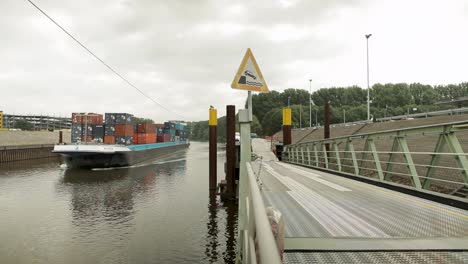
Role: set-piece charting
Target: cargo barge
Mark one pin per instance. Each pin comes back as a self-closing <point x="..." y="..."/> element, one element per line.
<point x="107" y="156"/>
<point x="119" y="140"/>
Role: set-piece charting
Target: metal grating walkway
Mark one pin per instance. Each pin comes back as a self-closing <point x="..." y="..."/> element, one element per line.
<point x="348" y="221"/>
<point x="422" y="257"/>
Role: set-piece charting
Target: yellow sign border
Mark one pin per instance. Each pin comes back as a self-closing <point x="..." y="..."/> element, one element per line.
<point x="236" y="85"/>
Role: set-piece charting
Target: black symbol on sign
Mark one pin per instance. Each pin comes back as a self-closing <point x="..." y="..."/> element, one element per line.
<point x="248" y="73"/>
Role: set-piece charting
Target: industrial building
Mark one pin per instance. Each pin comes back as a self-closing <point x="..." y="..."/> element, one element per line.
<point x="39" y="122"/>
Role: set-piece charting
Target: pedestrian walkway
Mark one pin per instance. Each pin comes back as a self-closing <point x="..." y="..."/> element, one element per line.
<point x="331" y="218"/>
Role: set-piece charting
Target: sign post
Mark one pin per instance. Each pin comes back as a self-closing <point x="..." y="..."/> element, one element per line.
<point x="250" y="78"/>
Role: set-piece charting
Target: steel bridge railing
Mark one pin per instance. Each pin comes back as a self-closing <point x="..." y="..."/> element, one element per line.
<point x="258" y="227"/>
<point x="417" y="156"/>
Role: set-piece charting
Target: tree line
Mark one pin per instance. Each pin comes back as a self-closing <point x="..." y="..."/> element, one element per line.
<point x="346" y="103"/>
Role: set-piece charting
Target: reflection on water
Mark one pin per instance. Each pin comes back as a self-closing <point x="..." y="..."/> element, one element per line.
<point x="228" y="215"/>
<point x="158" y="212"/>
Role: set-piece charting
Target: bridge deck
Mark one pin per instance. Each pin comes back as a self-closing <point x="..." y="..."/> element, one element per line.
<point x="332" y="213"/>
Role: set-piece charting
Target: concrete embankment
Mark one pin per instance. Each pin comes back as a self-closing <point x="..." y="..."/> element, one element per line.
<point x="26" y="145"/>
<point x="20" y="138"/>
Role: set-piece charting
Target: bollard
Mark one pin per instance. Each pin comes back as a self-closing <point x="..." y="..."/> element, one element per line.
<point x="326" y="130"/>
<point x="287" y="121"/>
<point x="213" y="125"/>
<point x="231" y="150"/>
<point x="60" y="137"/>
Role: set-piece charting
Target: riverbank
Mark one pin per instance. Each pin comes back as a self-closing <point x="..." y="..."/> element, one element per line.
<point x="21" y="138"/>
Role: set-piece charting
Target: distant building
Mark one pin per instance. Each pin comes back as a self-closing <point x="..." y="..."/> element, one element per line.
<point x="39" y="122"/>
<point x="1" y="119"/>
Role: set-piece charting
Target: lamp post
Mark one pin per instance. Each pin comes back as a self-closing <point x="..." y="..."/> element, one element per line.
<point x="310" y="102"/>
<point x="368" y="87"/>
<point x="289" y="98"/>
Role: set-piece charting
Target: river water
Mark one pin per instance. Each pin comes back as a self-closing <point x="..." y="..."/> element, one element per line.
<point x="154" y="213"/>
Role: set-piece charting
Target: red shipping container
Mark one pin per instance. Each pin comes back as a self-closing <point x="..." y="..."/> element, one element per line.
<point x="90" y="118"/>
<point x="164" y="138"/>
<point x="146" y="128"/>
<point x="93" y="119"/>
<point x="160" y="138"/>
<point x="146" y="138"/>
<point x="86" y="139"/>
<point x="109" y="140"/>
<point x="123" y="130"/>
<point x="135" y="139"/>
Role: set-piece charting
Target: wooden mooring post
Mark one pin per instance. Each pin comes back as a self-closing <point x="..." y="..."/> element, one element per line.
<point x="230" y="151"/>
<point x="213" y="125"/>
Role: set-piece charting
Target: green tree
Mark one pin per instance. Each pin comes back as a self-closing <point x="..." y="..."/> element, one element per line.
<point x="23" y="125"/>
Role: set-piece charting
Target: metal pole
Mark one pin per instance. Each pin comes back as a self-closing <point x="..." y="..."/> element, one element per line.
<point x="249" y="105"/>
<point x="344" y="116"/>
<point x="310" y="102"/>
<point x="289" y="105"/>
<point x="287" y="122"/>
<point x="300" y="116"/>
<point x="245" y="156"/>
<point x="316" y="120"/>
<point x="230" y="150"/>
<point x="213" y="124"/>
<point x="368" y="87"/>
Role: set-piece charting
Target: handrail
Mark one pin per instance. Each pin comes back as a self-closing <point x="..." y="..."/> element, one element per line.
<point x="267" y="249"/>
<point x="374" y="159"/>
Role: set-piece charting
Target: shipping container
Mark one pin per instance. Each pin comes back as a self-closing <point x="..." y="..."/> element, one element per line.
<point x="86" y="138"/>
<point x="146" y="138"/>
<point x="159" y="125"/>
<point x="110" y="118"/>
<point x="146" y="128"/>
<point x="164" y="138"/>
<point x="124" y="140"/>
<point x="109" y="140"/>
<point x="169" y="131"/>
<point x="109" y="130"/>
<point x="98" y="131"/>
<point x="119" y="118"/>
<point x="87" y="118"/>
<point x="180" y="126"/>
<point x="77" y="129"/>
<point x="169" y="125"/>
<point x="123" y="130"/>
<point x="135" y="139"/>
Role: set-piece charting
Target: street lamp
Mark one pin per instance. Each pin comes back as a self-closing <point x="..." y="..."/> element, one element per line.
<point x="368" y="87"/>
<point x="289" y="98"/>
<point x="310" y="102"/>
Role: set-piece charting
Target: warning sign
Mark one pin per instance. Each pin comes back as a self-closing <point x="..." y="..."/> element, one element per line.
<point x="249" y="77"/>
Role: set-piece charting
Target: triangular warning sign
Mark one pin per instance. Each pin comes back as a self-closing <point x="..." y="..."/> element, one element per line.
<point x="249" y="77"/>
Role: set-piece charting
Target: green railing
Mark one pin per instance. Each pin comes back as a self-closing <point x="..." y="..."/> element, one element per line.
<point x="426" y="157"/>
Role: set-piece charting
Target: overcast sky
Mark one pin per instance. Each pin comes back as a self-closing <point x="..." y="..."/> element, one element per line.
<point x="185" y="54"/>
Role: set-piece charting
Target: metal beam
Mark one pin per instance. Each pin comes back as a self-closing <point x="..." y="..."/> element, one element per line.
<point x="460" y="157"/>
<point x="350" y="149"/>
<point x="375" y="155"/>
<point x="409" y="162"/>
<point x="434" y="161"/>
<point x="325" y="156"/>
<point x="337" y="155"/>
<point x="390" y="159"/>
<point x="374" y="244"/>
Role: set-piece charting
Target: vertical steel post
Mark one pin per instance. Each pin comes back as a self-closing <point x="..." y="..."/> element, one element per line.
<point x="287" y="122"/>
<point x="60" y="137"/>
<point x="230" y="149"/>
<point x="327" y="121"/>
<point x="245" y="156"/>
<point x="213" y="125"/>
<point x="326" y="131"/>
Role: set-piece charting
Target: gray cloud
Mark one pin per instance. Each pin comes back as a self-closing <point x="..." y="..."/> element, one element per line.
<point x="183" y="53"/>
